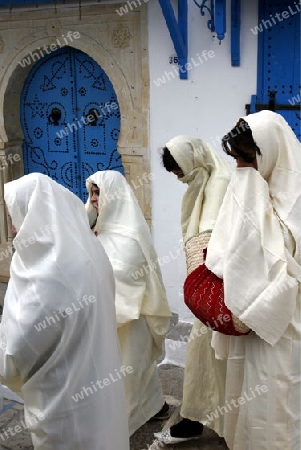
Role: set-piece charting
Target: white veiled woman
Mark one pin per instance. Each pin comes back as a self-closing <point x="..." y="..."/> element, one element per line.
<point x="141" y="307"/>
<point x="255" y="248"/>
<point x="58" y="329"/>
<point x="207" y="176"/>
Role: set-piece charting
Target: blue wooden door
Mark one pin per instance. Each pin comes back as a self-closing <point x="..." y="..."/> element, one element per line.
<point x="71" y="119"/>
<point x="278" y="75"/>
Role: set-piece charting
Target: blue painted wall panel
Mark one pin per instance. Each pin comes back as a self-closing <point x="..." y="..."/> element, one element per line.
<point x="278" y="74"/>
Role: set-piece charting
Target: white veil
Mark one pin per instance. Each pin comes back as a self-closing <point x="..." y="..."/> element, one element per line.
<point x="58" y="328"/>
<point x="207" y="176"/>
<point x="121" y="220"/>
<point x="253" y="252"/>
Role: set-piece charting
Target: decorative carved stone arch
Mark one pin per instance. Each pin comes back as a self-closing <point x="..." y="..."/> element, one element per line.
<point x="133" y="139"/>
<point x="10" y="128"/>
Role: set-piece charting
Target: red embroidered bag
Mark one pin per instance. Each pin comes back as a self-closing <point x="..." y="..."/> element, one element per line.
<point x="204" y="291"/>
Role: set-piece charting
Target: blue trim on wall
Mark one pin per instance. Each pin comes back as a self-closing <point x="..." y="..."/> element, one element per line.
<point x="204" y="8"/>
<point x="258" y="97"/>
<point x="220" y="19"/>
<point x="260" y="55"/>
<point x="178" y="30"/>
<point x="235" y="32"/>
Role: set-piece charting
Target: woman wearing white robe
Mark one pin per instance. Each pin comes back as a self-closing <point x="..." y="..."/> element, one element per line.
<point x="207" y="176"/>
<point x="58" y="329"/>
<point x="141" y="306"/>
<point x="255" y="248"/>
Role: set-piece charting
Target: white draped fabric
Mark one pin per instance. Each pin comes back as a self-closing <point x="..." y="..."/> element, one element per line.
<point x="207" y="176"/>
<point x="255" y="248"/>
<point x="58" y="328"/>
<point x="141" y="306"/>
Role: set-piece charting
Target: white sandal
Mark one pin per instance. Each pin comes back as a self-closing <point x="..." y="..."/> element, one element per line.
<point x="166" y="438"/>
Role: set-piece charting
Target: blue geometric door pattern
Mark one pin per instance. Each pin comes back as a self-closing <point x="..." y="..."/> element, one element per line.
<point x="278" y="73"/>
<point x="70" y="118"/>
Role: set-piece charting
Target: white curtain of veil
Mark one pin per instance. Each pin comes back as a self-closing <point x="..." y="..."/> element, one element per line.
<point x="122" y="223"/>
<point x="59" y="328"/>
<point x="257" y="226"/>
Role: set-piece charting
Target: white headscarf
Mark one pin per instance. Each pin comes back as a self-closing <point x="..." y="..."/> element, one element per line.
<point x="126" y="237"/>
<point x="207" y="176"/>
<point x="255" y="245"/>
<point x="61" y="277"/>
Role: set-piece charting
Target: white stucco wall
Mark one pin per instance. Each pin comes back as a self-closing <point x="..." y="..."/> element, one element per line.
<point x="206" y="105"/>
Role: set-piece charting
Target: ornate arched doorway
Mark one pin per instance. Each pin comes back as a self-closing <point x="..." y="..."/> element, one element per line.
<point x="70" y="118"/>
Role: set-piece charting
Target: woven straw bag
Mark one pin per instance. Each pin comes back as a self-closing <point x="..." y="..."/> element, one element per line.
<point x="194" y="247"/>
<point x="204" y="291"/>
